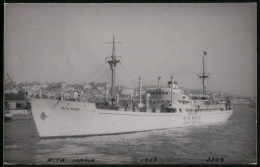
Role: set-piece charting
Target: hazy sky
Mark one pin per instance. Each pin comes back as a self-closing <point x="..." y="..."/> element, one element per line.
<point x="66" y="42"/>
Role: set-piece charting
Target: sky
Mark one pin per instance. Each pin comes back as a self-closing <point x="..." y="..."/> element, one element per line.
<point x="67" y="42"/>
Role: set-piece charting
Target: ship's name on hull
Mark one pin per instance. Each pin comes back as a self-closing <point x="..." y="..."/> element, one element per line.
<point x="70" y="108"/>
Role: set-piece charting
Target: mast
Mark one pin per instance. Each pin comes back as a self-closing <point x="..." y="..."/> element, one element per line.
<point x="140" y="90"/>
<point x="159" y="82"/>
<point x="204" y="75"/>
<point x="140" y="104"/>
<point x="113" y="60"/>
<point x="171" y="87"/>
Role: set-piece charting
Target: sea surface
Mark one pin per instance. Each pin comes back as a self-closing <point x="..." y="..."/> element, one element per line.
<point x="231" y="142"/>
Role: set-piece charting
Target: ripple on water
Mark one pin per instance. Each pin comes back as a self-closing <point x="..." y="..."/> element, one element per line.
<point x="235" y="140"/>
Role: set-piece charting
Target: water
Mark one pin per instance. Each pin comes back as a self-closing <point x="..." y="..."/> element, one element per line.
<point x="234" y="141"/>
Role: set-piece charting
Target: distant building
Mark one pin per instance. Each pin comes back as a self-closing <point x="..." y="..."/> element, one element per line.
<point x="73" y="95"/>
<point x="240" y="101"/>
<point x="70" y="88"/>
<point x="86" y="87"/>
<point x="100" y="88"/>
<point x="44" y="86"/>
<point x="50" y="95"/>
<point x="63" y="85"/>
<point x="16" y="101"/>
<point x="36" y="87"/>
<point x="25" y="88"/>
<point x="127" y="91"/>
<point x="34" y="83"/>
<point x="14" y="90"/>
<point x="83" y="97"/>
<point x="7" y="91"/>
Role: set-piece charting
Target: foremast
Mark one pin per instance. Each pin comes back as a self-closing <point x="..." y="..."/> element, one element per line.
<point x="113" y="60"/>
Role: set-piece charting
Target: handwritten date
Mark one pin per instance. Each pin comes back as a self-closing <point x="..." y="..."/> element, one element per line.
<point x="151" y="160"/>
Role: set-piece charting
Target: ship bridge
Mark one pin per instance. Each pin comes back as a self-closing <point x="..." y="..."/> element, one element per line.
<point x="159" y="96"/>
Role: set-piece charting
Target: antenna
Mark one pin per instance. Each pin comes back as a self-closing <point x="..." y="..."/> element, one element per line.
<point x="113" y="46"/>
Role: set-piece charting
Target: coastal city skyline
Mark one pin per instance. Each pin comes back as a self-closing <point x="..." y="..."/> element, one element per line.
<point x="67" y="43"/>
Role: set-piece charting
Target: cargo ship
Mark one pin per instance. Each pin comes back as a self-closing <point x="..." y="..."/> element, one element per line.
<point x="159" y="108"/>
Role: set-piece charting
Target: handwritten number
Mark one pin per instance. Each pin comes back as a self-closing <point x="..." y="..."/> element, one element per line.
<point x="152" y="159"/>
<point x="215" y="159"/>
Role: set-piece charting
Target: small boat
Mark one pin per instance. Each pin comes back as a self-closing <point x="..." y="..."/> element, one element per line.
<point x="8" y="115"/>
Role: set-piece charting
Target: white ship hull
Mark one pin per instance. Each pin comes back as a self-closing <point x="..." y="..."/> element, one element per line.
<point x="55" y="118"/>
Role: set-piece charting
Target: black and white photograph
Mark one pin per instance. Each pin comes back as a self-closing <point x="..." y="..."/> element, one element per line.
<point x="130" y="83"/>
